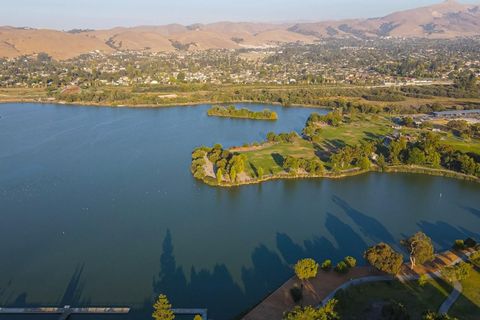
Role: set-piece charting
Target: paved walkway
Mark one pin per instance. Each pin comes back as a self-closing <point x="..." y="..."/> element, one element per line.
<point x="454" y="295"/>
<point x="326" y="284"/>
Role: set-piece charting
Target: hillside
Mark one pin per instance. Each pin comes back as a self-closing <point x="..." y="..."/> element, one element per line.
<point x="444" y="20"/>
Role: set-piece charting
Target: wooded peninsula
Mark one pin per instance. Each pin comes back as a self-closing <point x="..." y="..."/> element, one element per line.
<point x="346" y="142"/>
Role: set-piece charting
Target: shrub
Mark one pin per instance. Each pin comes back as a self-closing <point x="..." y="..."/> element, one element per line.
<point x="475" y="258"/>
<point x="470" y="243"/>
<point x="327" y="265"/>
<point x="458" y="272"/>
<point x="297" y="294"/>
<point x="395" y="310"/>
<point x="341" y="267"/>
<point x="422" y="280"/>
<point x="459" y="245"/>
<point x="351" y="262"/>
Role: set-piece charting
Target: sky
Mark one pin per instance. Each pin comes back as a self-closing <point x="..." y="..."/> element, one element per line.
<point x="101" y="14"/>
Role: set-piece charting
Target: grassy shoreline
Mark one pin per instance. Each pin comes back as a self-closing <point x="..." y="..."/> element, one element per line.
<point x="345" y="174"/>
<point x="158" y="106"/>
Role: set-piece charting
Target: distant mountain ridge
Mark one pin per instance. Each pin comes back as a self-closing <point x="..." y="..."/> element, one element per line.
<point x="448" y="19"/>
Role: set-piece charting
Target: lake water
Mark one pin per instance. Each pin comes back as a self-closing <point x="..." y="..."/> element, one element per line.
<point x="98" y="207"/>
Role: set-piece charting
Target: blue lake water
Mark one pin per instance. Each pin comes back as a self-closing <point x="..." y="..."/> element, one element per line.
<point x="98" y="207"/>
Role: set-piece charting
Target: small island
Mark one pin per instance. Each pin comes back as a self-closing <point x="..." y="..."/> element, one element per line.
<point x="243" y="113"/>
<point x="346" y="143"/>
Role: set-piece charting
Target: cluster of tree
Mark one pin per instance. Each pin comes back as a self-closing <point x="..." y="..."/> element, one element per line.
<point x="313" y="126"/>
<point x="384" y="95"/>
<point x="96" y="96"/>
<point x="282" y="137"/>
<point x="327" y="312"/>
<point x="312" y="166"/>
<point x="228" y="165"/>
<point x="243" y="113"/>
<point x="464" y="244"/>
<point x="385" y="258"/>
<point x="463" y="129"/>
<point x="449" y="91"/>
<point x="198" y="162"/>
<point x="358" y="156"/>
<point x="428" y="151"/>
<point x="457" y="161"/>
<point x="457" y="272"/>
<point x="333" y="118"/>
<point x="467" y="81"/>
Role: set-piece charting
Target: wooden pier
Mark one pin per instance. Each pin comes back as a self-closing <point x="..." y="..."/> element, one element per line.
<point x="67" y="311"/>
<point x="64" y="312"/>
<point x="201" y="312"/>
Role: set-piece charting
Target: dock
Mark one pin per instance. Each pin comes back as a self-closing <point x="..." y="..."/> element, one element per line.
<point x="192" y="312"/>
<point x="66" y="311"/>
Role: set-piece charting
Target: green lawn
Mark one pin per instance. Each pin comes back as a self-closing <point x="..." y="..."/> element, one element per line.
<point x="356" y="302"/>
<point x="467" y="306"/>
<point x="360" y="129"/>
<point x="270" y="157"/>
<point x="469" y="145"/>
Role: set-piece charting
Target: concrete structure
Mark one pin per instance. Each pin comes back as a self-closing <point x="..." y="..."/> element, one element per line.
<point x="64" y="312"/>
<point x="456" y="113"/>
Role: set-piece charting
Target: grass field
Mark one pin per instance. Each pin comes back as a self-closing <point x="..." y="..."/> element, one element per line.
<point x="271" y="157"/>
<point x="359" y="302"/>
<point x="362" y="128"/>
<point x="467" y="306"/>
<point x="465" y="145"/>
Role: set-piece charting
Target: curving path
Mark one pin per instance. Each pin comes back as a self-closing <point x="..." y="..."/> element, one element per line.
<point x="446" y="305"/>
<point x="326" y="285"/>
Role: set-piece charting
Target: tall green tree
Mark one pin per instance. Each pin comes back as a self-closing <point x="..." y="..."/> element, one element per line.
<point x="162" y="309"/>
<point x="306" y="269"/>
<point x="384" y="258"/>
<point x="420" y="248"/>
<point x="219" y="175"/>
<point x="326" y="312"/>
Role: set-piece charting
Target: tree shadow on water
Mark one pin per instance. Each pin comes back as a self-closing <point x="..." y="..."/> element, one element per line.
<point x="268" y="272"/>
<point x="471" y="210"/>
<point x="74" y="290"/>
<point x="349" y="242"/>
<point x="370" y="227"/>
<point x="445" y="234"/>
<point x="319" y="248"/>
<point x="216" y="289"/>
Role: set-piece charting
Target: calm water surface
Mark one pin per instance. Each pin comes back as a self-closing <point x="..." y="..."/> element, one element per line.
<point x="98" y="207"/>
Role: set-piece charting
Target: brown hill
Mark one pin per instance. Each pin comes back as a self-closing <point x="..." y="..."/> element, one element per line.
<point x="444" y="20"/>
<point x="61" y="45"/>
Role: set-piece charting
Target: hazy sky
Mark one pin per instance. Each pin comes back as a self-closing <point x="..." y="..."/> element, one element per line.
<point x="68" y="14"/>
